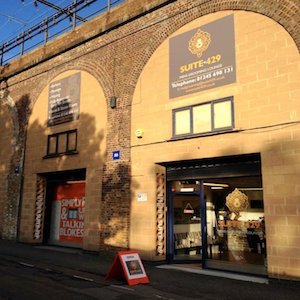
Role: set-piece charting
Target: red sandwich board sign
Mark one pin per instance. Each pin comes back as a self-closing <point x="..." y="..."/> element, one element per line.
<point x="128" y="265"/>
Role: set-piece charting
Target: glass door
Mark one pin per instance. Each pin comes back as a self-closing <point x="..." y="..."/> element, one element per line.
<point x="235" y="226"/>
<point x="186" y="227"/>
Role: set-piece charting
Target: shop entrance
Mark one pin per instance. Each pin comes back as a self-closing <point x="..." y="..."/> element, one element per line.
<point x="64" y="213"/>
<point x="235" y="225"/>
<point x="216" y="217"/>
<point x="186" y="222"/>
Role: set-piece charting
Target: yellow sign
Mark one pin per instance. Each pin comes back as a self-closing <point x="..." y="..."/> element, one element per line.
<point x="237" y="202"/>
<point x="199" y="42"/>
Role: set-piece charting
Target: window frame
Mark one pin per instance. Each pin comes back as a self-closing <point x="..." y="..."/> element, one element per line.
<point x="214" y="129"/>
<point x="174" y="120"/>
<point x="67" y="151"/>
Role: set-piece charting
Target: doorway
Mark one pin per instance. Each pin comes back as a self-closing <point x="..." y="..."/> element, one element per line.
<point x="216" y="216"/>
<point x="235" y="225"/>
<point x="186" y="227"/>
<point x="64" y="211"/>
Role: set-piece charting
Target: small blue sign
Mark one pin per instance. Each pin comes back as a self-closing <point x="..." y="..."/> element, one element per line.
<point x="116" y="155"/>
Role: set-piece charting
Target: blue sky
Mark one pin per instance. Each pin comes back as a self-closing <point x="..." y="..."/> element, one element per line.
<point x="17" y="16"/>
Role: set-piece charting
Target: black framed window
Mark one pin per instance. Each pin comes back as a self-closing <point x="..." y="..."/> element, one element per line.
<point x="62" y="143"/>
<point x="203" y="118"/>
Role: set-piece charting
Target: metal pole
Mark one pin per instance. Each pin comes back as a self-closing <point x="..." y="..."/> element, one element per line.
<point x="1" y="55"/>
<point x="22" y="45"/>
<point x="60" y="9"/>
<point x="46" y="31"/>
<point x="108" y="5"/>
<point x="74" y="14"/>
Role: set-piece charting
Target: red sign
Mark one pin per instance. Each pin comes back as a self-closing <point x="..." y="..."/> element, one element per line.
<point x="128" y="265"/>
<point x="72" y="199"/>
<point x="188" y="209"/>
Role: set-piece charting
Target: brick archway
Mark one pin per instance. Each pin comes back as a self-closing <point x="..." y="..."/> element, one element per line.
<point x="179" y="13"/>
<point x="84" y="64"/>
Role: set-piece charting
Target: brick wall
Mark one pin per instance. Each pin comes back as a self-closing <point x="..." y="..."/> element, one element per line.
<point x="265" y="95"/>
<point x="5" y="153"/>
<point x="114" y="49"/>
<point x="91" y="147"/>
<point x="10" y="165"/>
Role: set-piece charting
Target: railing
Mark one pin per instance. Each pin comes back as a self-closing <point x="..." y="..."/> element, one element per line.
<point x="65" y="19"/>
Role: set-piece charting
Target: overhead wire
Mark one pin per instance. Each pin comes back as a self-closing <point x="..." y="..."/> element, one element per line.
<point x="4" y="43"/>
<point x="29" y="21"/>
<point x="10" y="18"/>
<point x="45" y="12"/>
<point x="3" y="25"/>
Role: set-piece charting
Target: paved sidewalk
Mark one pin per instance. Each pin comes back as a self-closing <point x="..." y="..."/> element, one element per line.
<point x="175" y="280"/>
<point x="73" y="259"/>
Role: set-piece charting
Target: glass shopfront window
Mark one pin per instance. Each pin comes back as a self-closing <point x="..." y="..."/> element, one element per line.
<point x="236" y="238"/>
<point x="216" y="213"/>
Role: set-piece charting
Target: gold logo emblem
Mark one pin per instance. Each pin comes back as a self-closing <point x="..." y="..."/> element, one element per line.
<point x="199" y="42"/>
<point x="237" y="202"/>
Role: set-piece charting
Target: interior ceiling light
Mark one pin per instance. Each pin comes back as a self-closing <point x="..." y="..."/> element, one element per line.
<point x="215" y="184"/>
<point x="74" y="181"/>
